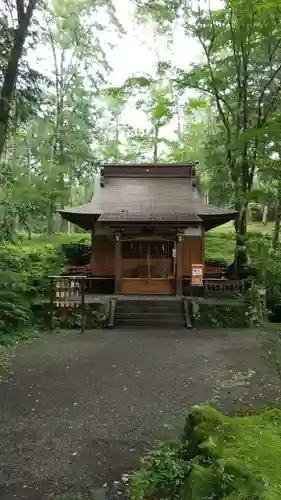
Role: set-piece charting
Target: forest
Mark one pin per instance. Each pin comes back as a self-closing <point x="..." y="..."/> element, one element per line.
<point x="60" y="115"/>
<point x="87" y="82"/>
<point x="210" y="92"/>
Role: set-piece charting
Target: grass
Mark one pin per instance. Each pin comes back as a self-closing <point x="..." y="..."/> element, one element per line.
<point x="39" y="240"/>
<point x="220" y="242"/>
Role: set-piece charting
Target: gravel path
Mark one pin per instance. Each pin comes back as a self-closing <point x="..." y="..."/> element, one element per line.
<point x="81" y="409"/>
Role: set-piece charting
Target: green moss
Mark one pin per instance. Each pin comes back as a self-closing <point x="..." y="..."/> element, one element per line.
<point x="200" y="432"/>
<point x="220" y="458"/>
<point x="201" y="483"/>
<point x="249" y="449"/>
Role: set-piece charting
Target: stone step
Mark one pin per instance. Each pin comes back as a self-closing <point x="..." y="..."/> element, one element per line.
<point x="149" y="310"/>
<point x="149" y="324"/>
<point x="149" y="314"/>
<point x="148" y="304"/>
<point x="172" y="318"/>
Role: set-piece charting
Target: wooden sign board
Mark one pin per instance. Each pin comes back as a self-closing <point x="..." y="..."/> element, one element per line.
<point x="197" y="272"/>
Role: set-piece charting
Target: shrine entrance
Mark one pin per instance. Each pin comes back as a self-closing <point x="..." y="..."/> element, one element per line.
<point x="148" y="266"/>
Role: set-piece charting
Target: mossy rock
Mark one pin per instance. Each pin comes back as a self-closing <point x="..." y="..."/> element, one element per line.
<point x="245" y="450"/>
<point x="200" y="432"/>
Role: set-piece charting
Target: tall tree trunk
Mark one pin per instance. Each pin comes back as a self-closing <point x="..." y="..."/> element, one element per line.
<point x="11" y="73"/>
<point x="50" y="228"/>
<point x="206" y="195"/>
<point x="241" y="234"/>
<point x="277" y="220"/>
<point x="265" y="214"/>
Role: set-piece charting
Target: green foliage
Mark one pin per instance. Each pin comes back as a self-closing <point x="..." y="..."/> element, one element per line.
<point x="267" y="263"/>
<point x="24" y="284"/>
<point x="221" y="314"/>
<point x="161" y="474"/>
<point x="218" y="458"/>
<point x="237" y="82"/>
<point x="220" y="246"/>
<point x="13" y="301"/>
<point x="51" y="158"/>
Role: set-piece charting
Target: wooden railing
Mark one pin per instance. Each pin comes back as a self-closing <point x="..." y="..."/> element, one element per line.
<point x="224" y="287"/>
<point x="215" y="286"/>
<point x="68" y="291"/>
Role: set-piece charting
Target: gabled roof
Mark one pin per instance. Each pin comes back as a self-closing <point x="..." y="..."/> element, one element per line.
<point x="146" y="193"/>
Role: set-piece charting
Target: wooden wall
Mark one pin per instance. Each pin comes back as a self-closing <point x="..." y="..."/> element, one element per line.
<point x="193" y="253"/>
<point x="103" y="256"/>
<point x="147" y="286"/>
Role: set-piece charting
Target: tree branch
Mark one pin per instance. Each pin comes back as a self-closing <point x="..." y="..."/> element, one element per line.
<point x="265" y="88"/>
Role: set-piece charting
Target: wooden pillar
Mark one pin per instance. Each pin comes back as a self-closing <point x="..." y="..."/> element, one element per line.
<point x="93" y="248"/>
<point x="203" y="243"/>
<point x="118" y="261"/>
<point x="179" y="256"/>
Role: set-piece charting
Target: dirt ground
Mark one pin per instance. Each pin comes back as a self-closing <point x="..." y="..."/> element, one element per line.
<point x="79" y="410"/>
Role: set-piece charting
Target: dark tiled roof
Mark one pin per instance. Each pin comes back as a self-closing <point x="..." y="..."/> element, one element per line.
<point x="143" y="196"/>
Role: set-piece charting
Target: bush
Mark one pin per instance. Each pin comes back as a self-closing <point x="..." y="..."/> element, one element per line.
<point x="77" y="254"/>
<point x="267" y="263"/>
<point x="14" y="305"/>
<point x="24" y="284"/>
